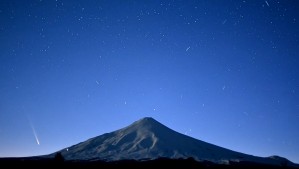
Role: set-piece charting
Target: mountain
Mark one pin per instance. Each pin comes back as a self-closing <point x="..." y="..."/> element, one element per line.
<point x="147" y="139"/>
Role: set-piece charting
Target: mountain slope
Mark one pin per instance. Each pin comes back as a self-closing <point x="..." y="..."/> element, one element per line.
<point x="149" y="139"/>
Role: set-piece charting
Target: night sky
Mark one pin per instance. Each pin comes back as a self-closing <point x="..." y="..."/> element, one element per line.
<point x="225" y="72"/>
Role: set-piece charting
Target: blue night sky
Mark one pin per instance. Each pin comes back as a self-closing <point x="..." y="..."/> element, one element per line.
<point x="225" y="72"/>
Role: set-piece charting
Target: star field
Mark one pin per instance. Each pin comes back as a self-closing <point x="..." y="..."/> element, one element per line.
<point x="225" y="72"/>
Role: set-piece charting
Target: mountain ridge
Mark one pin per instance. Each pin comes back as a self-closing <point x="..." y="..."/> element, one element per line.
<point x="149" y="139"/>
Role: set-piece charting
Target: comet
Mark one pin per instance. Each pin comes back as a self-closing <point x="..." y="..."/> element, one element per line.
<point x="34" y="132"/>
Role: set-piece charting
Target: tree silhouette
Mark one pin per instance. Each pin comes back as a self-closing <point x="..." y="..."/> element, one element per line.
<point x="59" y="158"/>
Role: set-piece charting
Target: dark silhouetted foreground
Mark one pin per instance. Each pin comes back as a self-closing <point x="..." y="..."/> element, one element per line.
<point x="59" y="162"/>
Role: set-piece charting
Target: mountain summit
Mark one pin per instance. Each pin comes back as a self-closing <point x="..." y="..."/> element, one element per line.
<point x="148" y="139"/>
